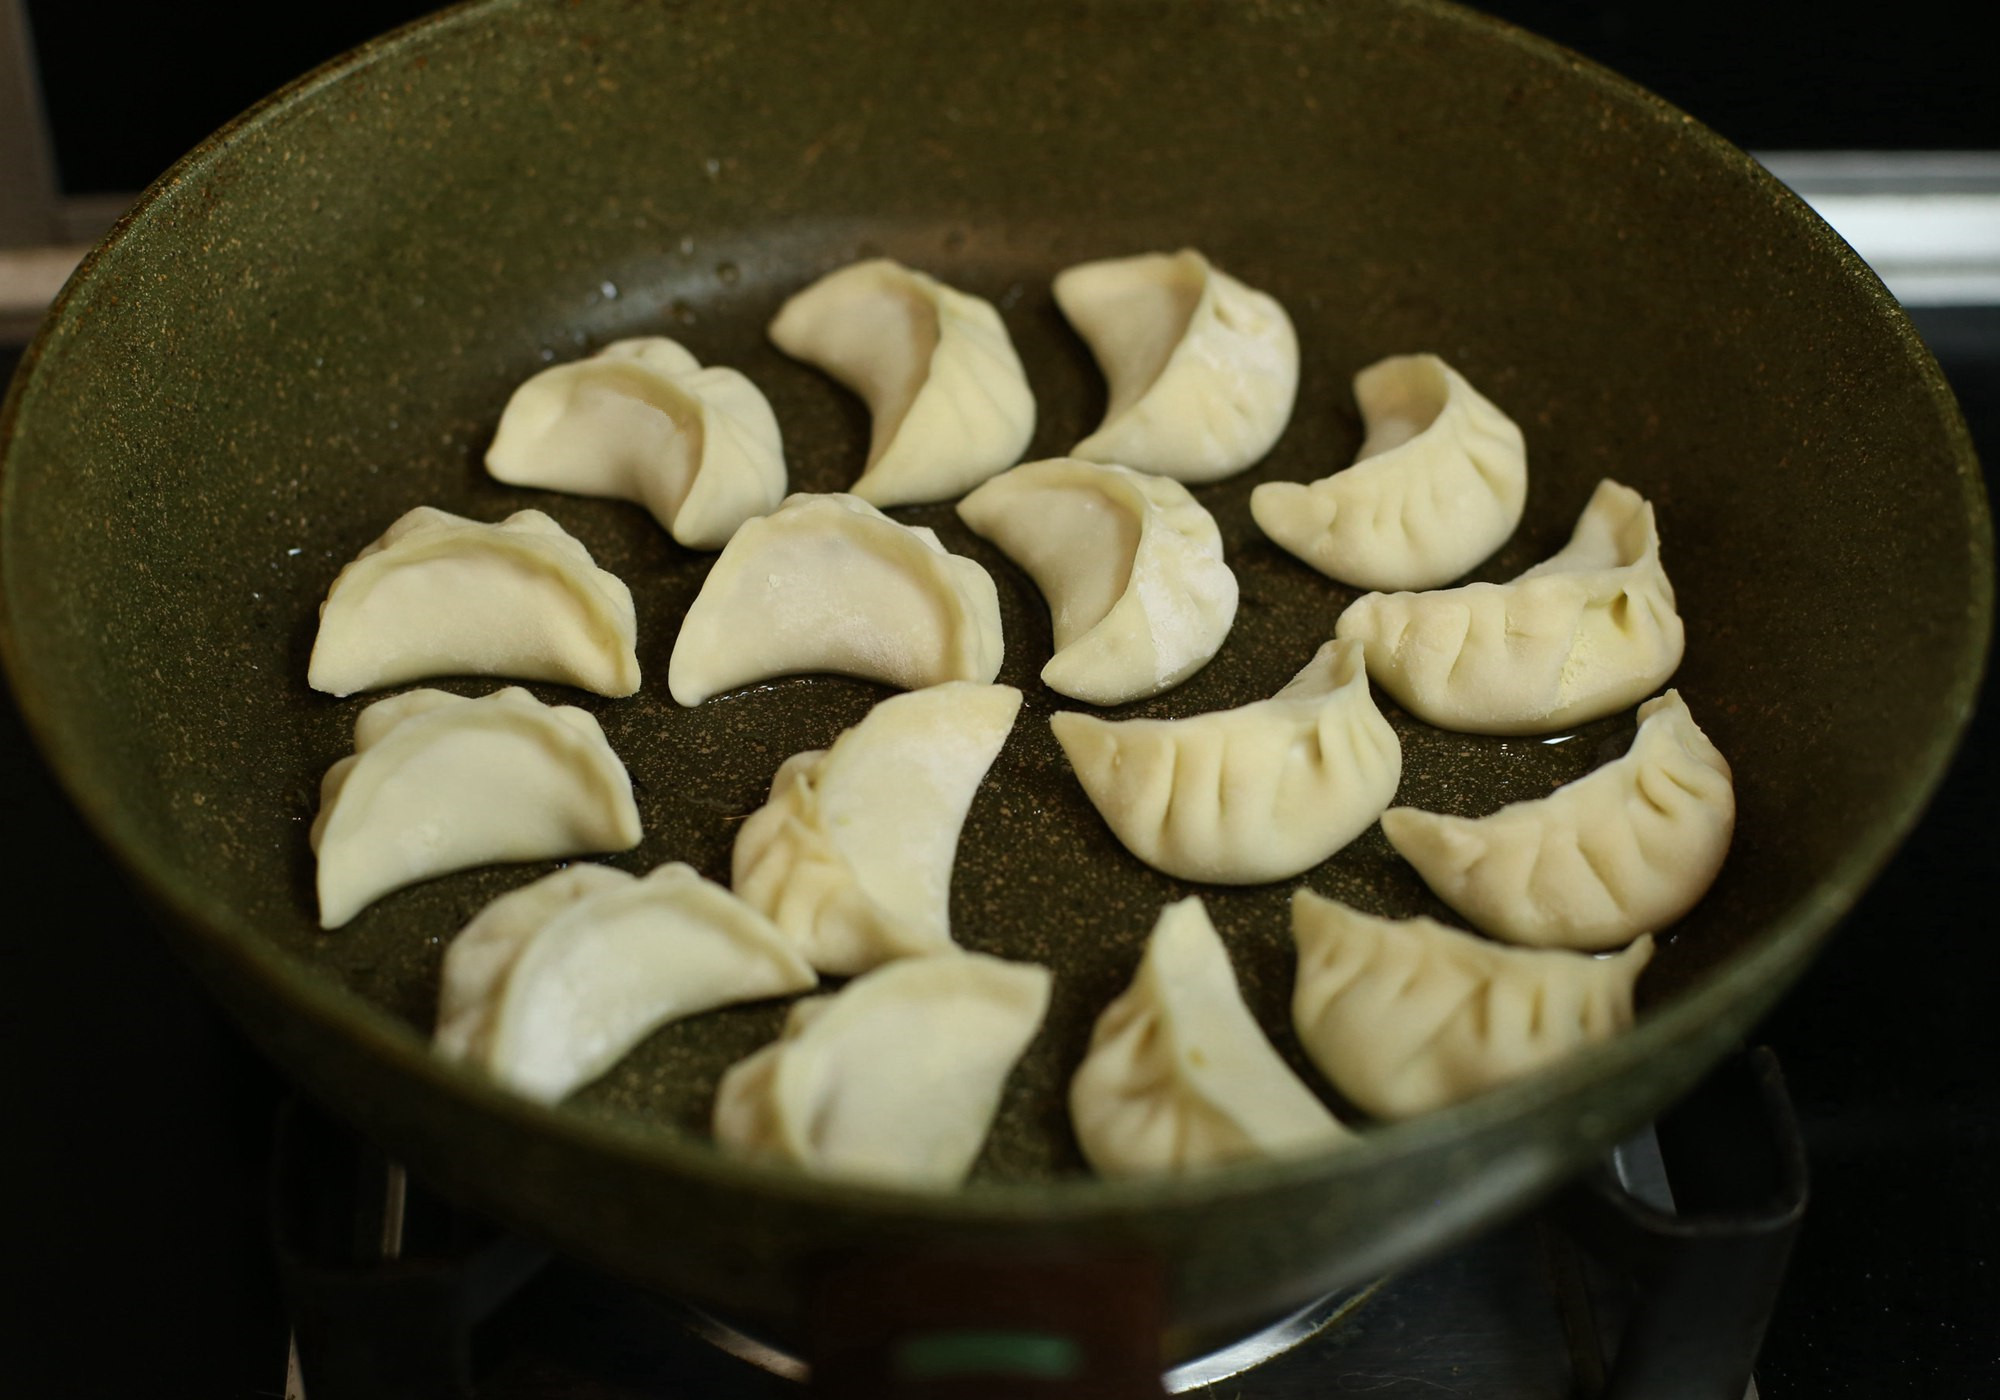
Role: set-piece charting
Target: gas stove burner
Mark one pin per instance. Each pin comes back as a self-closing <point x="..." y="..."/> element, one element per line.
<point x="1664" y="1263"/>
<point x="1222" y="1363"/>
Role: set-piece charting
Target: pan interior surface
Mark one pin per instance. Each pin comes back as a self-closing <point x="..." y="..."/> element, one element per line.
<point x="311" y="326"/>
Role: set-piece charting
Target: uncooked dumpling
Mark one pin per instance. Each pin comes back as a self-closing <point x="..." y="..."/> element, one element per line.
<point x="1623" y="851"/>
<point x="1180" y="1077"/>
<point x="950" y="403"/>
<point x="1580" y="636"/>
<point x="440" y="595"/>
<point x="477" y="961"/>
<point x="852" y="855"/>
<point x="829" y="583"/>
<point x="1437" y="486"/>
<point x="1201" y="370"/>
<point x="1130" y="564"/>
<point x="895" y="1079"/>
<point x="1249" y="795"/>
<point x="1406" y="1016"/>
<point x="642" y="421"/>
<point x="597" y="965"/>
<point x="439" y="783"/>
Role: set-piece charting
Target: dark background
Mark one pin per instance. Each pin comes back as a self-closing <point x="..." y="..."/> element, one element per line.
<point x="131" y="84"/>
<point x="136" y="1217"/>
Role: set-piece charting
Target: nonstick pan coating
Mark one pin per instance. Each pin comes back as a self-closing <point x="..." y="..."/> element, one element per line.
<point x="310" y="326"/>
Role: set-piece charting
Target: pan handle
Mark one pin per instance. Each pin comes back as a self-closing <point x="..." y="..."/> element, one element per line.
<point x="1706" y="1241"/>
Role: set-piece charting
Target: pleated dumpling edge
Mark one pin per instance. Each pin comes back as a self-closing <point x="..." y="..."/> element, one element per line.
<point x="1130" y="565"/>
<point x="1249" y="795"/>
<point x="1581" y="635"/>
<point x="439" y="595"/>
<point x="1406" y="1016"/>
<point x="439" y="782"/>
<point x="1438" y="485"/>
<point x="948" y="400"/>
<point x="643" y="421"/>
<point x="1624" y="850"/>
<point x="1201" y="370"/>
<point x="830" y="583"/>
<point x="1180" y="1077"/>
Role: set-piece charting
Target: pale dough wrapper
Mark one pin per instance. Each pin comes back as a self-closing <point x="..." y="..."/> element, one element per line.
<point x="1249" y="795"/>
<point x="1201" y="371"/>
<point x="945" y="389"/>
<point x="438" y="783"/>
<point x="553" y="984"/>
<point x="440" y="595"/>
<point x="642" y="421"/>
<point x="478" y="959"/>
<point x="853" y="853"/>
<point x="1406" y="1016"/>
<point x="1180" y="1077"/>
<point x="829" y="583"/>
<point x="1130" y="564"/>
<point x="895" y="1078"/>
<point x="1438" y="485"/>
<point x="1622" y="851"/>
<point x="1580" y="636"/>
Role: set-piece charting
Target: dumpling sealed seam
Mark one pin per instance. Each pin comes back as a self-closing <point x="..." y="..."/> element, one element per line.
<point x="1201" y="370"/>
<point x="1131" y="565"/>
<point x="642" y="421"/>
<point x="1250" y="795"/>
<point x="479" y="957"/>
<point x="852" y="855"/>
<point x="949" y="401"/>
<point x="1407" y="1016"/>
<point x="1438" y="485"/>
<point x="439" y="595"/>
<point x="438" y="783"/>
<point x="1180" y="1077"/>
<point x="894" y="1079"/>
<point x="829" y="583"/>
<point x="1581" y="635"/>
<point x="1623" y="851"/>
<point x="553" y="984"/>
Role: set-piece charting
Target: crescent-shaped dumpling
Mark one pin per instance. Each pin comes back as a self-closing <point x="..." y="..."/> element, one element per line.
<point x="829" y="583"/>
<point x="478" y="959"/>
<point x="1131" y="566"/>
<point x="1405" y="1016"/>
<point x="1249" y="795"/>
<point x="642" y="421"/>
<point x="852" y="855"/>
<point x="1201" y="370"/>
<point x="1438" y="485"/>
<point x="1180" y="1077"/>
<point x="607" y="966"/>
<point x="1623" y="851"/>
<point x="1580" y="636"/>
<point x="440" y="595"/>
<point x="439" y="782"/>
<point x="950" y="403"/>
<point x="894" y="1079"/>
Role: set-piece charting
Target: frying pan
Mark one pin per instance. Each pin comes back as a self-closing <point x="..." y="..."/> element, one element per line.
<point x="310" y="325"/>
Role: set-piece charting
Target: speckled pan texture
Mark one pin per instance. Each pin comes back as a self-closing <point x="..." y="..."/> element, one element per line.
<point x="311" y="325"/>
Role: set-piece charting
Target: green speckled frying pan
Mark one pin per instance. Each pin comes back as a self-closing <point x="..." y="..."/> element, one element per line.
<point x="310" y="326"/>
